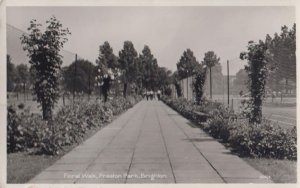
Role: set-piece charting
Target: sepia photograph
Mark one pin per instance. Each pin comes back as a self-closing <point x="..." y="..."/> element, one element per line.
<point x="151" y="95"/>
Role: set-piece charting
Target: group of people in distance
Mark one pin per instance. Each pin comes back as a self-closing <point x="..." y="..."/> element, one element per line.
<point x="150" y="95"/>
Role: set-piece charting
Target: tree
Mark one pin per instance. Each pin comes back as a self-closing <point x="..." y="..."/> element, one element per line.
<point x="257" y="69"/>
<point x="23" y="77"/>
<point x="43" y="51"/>
<point x="163" y="78"/>
<point x="198" y="83"/>
<point x="210" y="60"/>
<point x="128" y="65"/>
<point x="11" y="74"/>
<point x="217" y="79"/>
<point x="149" y="69"/>
<point x="83" y="80"/>
<point x="107" y="68"/>
<point x="176" y="79"/>
<point x="283" y="63"/>
<point x="187" y="65"/>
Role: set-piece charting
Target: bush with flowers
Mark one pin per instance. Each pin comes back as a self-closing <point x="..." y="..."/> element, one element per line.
<point x="29" y="132"/>
<point x="264" y="139"/>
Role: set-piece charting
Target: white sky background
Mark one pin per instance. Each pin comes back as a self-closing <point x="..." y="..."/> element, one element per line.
<point x="167" y="30"/>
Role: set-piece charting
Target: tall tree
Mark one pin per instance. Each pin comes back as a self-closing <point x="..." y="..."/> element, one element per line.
<point x="210" y="60"/>
<point x="217" y="79"/>
<point x="187" y="65"/>
<point x="43" y="51"/>
<point x="283" y="49"/>
<point x="108" y="68"/>
<point x="128" y="64"/>
<point x="163" y="78"/>
<point x="150" y="68"/>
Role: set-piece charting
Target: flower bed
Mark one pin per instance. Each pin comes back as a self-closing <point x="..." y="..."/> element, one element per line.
<point x="257" y="140"/>
<point x="28" y="132"/>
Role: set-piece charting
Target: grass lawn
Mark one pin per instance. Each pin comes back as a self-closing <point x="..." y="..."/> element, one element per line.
<point x="21" y="166"/>
<point x="280" y="171"/>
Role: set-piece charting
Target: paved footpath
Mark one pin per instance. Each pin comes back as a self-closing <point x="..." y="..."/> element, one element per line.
<point x="150" y="143"/>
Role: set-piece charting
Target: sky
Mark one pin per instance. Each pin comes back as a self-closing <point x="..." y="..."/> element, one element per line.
<point x="168" y="31"/>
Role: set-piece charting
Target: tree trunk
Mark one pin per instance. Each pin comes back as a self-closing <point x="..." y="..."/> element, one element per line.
<point x="125" y="90"/>
<point x="47" y="112"/>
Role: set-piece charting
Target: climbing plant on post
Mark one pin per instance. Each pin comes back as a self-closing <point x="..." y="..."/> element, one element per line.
<point x="257" y="70"/>
<point x="43" y="51"/>
<point x="108" y="70"/>
<point x="198" y="83"/>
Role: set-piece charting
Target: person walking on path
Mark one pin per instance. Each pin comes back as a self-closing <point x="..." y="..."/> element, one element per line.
<point x="151" y="95"/>
<point x="147" y="94"/>
<point x="158" y="94"/>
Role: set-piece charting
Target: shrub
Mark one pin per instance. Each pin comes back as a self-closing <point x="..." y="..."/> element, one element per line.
<point x="21" y="106"/>
<point x="248" y="139"/>
<point x="219" y="123"/>
<point x="264" y="140"/>
<point x="29" y="132"/>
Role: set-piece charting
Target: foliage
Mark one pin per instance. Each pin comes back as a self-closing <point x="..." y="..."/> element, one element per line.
<point x="43" y="51"/>
<point x="188" y="109"/>
<point x="264" y="140"/>
<point x="168" y="91"/>
<point x="257" y="140"/>
<point x="21" y="106"/>
<point x="257" y="70"/>
<point x="108" y="69"/>
<point x="128" y="64"/>
<point x="218" y="86"/>
<point x="29" y="132"/>
<point x="198" y="84"/>
<point x="219" y="123"/>
<point x="283" y="48"/>
<point x="210" y="60"/>
<point x="175" y="79"/>
<point x="82" y="80"/>
<point x="187" y="65"/>
<point x="150" y="69"/>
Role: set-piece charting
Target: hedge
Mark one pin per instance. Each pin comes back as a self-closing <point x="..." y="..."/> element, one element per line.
<point x="29" y="132"/>
<point x="266" y="140"/>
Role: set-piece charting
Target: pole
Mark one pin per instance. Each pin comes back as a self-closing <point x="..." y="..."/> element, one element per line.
<point x="210" y="81"/>
<point x="228" y="81"/>
<point x="24" y="89"/>
<point x="187" y="88"/>
<point x="74" y="81"/>
<point x="89" y="92"/>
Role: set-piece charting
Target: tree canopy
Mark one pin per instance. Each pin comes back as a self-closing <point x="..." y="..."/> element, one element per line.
<point x="82" y="80"/>
<point x="43" y="51"/>
<point x="187" y="65"/>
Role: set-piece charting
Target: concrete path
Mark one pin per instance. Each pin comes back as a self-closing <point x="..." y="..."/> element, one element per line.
<point x="150" y="143"/>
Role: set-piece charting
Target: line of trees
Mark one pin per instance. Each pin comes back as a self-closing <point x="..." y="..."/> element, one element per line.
<point x="269" y="61"/>
<point x="281" y="64"/>
<point x="189" y="66"/>
<point x="47" y="79"/>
